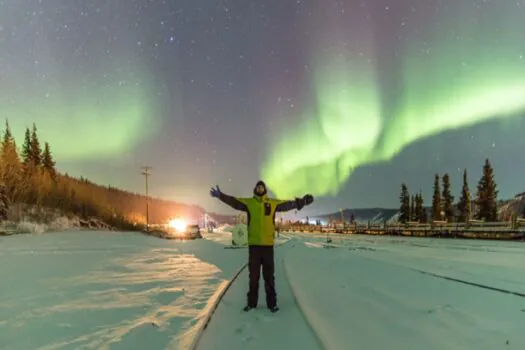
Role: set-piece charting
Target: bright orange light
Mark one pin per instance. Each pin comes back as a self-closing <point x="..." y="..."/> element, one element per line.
<point x="178" y="224"/>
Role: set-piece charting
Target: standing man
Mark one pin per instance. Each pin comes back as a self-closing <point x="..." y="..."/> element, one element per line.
<point x="261" y="230"/>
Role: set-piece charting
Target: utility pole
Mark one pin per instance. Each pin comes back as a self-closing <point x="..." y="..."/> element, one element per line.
<point x="146" y="173"/>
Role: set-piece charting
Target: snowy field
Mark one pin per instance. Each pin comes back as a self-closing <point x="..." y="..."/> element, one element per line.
<point x="107" y="290"/>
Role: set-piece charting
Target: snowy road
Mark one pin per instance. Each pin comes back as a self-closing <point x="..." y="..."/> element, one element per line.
<point x="232" y="328"/>
<point x="106" y="290"/>
<point x="355" y="301"/>
<point x="385" y="293"/>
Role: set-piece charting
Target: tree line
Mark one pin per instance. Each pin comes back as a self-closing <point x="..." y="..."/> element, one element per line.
<point x="483" y="207"/>
<point x="29" y="177"/>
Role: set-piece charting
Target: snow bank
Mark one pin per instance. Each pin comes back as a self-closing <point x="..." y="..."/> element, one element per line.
<point x="61" y="223"/>
<point x="26" y="226"/>
<point x="30" y="227"/>
<point x="25" y="218"/>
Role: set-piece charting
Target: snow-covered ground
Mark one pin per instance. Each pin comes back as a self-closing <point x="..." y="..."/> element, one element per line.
<point x="394" y="294"/>
<point x="107" y="290"/>
<point x="99" y="290"/>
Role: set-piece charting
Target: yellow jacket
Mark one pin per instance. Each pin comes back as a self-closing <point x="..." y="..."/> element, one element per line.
<point x="261" y="215"/>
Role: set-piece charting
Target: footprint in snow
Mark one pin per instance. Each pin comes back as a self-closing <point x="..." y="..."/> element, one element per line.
<point x="264" y="318"/>
<point x="241" y="329"/>
<point x="248" y="339"/>
<point x="444" y="307"/>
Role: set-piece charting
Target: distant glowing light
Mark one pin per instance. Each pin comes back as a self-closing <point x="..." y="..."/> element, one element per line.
<point x="178" y="225"/>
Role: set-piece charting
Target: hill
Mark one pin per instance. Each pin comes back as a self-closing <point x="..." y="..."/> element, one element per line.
<point x="31" y="185"/>
<point x="514" y="206"/>
<point x="507" y="208"/>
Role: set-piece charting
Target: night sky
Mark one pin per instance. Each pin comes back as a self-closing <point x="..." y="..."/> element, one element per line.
<point x="342" y="99"/>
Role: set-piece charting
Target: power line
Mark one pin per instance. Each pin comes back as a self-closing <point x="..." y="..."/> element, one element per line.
<point x="146" y="173"/>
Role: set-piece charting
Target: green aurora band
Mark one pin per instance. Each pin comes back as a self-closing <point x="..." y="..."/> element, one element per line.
<point x="323" y="150"/>
<point x="461" y="79"/>
<point x="84" y="121"/>
<point x="87" y="108"/>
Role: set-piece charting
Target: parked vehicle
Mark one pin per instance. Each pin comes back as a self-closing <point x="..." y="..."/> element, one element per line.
<point x="190" y="232"/>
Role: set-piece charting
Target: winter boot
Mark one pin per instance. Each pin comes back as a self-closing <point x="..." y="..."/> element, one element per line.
<point x="248" y="308"/>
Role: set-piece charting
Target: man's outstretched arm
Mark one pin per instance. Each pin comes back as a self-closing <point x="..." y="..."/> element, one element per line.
<point x="229" y="200"/>
<point x="297" y="203"/>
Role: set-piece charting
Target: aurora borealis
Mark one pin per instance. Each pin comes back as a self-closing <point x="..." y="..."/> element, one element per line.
<point x="343" y="99"/>
<point x="461" y="76"/>
<point x="86" y="109"/>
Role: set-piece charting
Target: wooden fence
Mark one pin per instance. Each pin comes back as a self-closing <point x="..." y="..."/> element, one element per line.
<point x="514" y="230"/>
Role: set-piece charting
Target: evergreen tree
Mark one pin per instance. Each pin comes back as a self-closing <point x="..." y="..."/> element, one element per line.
<point x="417" y="208"/>
<point x="69" y="194"/>
<point x="523" y="212"/>
<point x="8" y="137"/>
<point x="487" y="194"/>
<point x="47" y="161"/>
<point x="436" y="200"/>
<point x="36" y="150"/>
<point x="464" y="200"/>
<point x="412" y="208"/>
<point x="448" y="199"/>
<point x="4" y="203"/>
<point x="11" y="169"/>
<point x="352" y="218"/>
<point x="423" y="218"/>
<point x="26" y="148"/>
<point x="404" y="208"/>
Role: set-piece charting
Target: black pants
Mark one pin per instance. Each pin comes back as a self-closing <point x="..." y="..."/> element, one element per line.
<point x="261" y="255"/>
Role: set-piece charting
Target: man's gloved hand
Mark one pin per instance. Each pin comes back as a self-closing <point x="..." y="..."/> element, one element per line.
<point x="215" y="192"/>
<point x="308" y="199"/>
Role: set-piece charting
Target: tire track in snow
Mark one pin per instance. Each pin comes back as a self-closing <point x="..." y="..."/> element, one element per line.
<point x="436" y="275"/>
<point x="320" y="341"/>
<point x="474" y="284"/>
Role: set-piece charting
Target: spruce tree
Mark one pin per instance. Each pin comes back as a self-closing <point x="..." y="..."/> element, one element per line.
<point x="487" y="194"/>
<point x="464" y="200"/>
<point x="11" y="170"/>
<point x="36" y="150"/>
<point x="417" y="208"/>
<point x="412" y="208"/>
<point x="423" y="218"/>
<point x="4" y="203"/>
<point x="26" y="148"/>
<point x="8" y="137"/>
<point x="436" y="200"/>
<point x="448" y="199"/>
<point x="47" y="160"/>
<point x="404" y="208"/>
